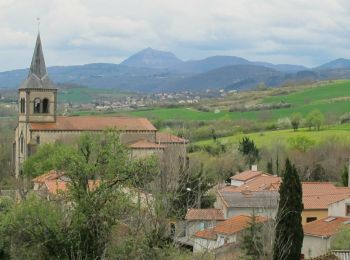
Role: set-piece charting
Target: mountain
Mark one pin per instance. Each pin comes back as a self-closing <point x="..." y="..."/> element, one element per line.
<point x="288" y="68"/>
<point x="151" y="58"/>
<point x="231" y="77"/>
<point x="335" y="64"/>
<point x="214" y="62"/>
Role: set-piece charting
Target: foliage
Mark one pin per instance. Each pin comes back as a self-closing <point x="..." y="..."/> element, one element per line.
<point x="99" y="167"/>
<point x="341" y="240"/>
<point x="295" y="120"/>
<point x="345" y="176"/>
<point x="191" y="192"/>
<point x="315" y="119"/>
<point x="252" y="243"/>
<point x="345" y="118"/>
<point x="300" y="143"/>
<point x="269" y="167"/>
<point x="248" y="148"/>
<point x="289" y="231"/>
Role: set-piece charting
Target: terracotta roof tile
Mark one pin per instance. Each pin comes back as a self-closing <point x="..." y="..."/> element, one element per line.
<point x="248" y="175"/>
<point x="204" y="214"/>
<point x="165" y="138"/>
<point x="229" y="227"/>
<point x="50" y="175"/>
<point x="94" y="123"/>
<point x="316" y="195"/>
<point x="144" y="144"/>
<point x="326" y="227"/>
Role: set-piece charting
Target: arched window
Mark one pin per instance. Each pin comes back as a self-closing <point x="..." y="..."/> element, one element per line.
<point x="45" y="105"/>
<point x="37" y="105"/>
<point x="22" y="109"/>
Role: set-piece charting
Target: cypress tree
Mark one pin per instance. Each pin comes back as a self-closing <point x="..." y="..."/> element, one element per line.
<point x="289" y="230"/>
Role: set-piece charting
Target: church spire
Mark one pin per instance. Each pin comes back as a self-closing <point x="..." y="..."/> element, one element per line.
<point x="37" y="76"/>
<point x="37" y="66"/>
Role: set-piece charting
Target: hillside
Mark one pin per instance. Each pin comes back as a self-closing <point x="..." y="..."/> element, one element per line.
<point x="152" y="70"/>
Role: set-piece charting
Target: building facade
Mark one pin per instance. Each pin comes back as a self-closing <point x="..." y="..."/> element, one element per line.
<point x="38" y="122"/>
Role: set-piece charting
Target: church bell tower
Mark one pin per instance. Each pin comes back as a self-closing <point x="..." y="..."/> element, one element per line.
<point x="37" y="103"/>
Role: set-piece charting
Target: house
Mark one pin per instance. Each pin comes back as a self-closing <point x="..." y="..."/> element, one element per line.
<point x="264" y="203"/>
<point x="200" y="219"/>
<point x="318" y="235"/>
<point x="340" y="207"/>
<point x="317" y="196"/>
<point x="38" y="122"/>
<point x="243" y="177"/>
<point x="226" y="232"/>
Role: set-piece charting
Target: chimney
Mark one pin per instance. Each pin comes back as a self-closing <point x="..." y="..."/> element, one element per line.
<point x="254" y="168"/>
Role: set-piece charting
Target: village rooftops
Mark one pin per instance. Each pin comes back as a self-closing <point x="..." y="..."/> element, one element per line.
<point x="326" y="227"/>
<point x="144" y="144"/>
<point x="229" y="227"/>
<point x="166" y="138"/>
<point x="204" y="214"/>
<point x="94" y="123"/>
<point x="248" y="175"/>
<point x="248" y="199"/>
<point x="316" y="195"/>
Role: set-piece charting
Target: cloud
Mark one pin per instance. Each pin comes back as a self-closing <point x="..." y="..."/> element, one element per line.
<point x="81" y="31"/>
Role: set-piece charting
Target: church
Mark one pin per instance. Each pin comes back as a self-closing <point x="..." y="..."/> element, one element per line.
<point x="38" y="122"/>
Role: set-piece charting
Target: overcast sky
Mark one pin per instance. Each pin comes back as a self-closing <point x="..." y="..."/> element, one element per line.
<point x="307" y="32"/>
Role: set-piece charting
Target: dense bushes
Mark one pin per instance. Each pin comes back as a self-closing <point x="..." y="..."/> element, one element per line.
<point x="259" y="107"/>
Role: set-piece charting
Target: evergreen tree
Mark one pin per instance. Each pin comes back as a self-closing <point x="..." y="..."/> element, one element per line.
<point x="269" y="167"/>
<point x="289" y="231"/>
<point x="252" y="243"/>
<point x="345" y="176"/>
<point x="248" y="148"/>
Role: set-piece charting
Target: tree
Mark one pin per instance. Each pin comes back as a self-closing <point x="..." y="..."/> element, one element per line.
<point x="252" y="243"/>
<point x="248" y="148"/>
<point x="99" y="168"/>
<point x="295" y="120"/>
<point x="341" y="240"/>
<point x="289" y="232"/>
<point x="269" y="167"/>
<point x="345" y="176"/>
<point x="300" y="143"/>
<point x="315" y="119"/>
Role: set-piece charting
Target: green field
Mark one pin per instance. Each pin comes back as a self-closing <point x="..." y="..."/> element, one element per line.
<point x="340" y="132"/>
<point x="331" y="99"/>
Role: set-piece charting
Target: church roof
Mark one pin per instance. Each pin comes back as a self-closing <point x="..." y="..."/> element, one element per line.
<point x="94" y="123"/>
<point x="37" y="76"/>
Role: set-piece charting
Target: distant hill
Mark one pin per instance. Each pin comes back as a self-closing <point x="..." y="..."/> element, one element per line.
<point x="151" y="70"/>
<point x="231" y="77"/>
<point x="335" y="64"/>
<point x="151" y="58"/>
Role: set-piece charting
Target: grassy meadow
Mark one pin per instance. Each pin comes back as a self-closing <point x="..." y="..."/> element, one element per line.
<point x="331" y="99"/>
<point x="266" y="138"/>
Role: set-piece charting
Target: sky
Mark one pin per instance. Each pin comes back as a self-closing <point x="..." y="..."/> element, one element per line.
<point x="306" y="32"/>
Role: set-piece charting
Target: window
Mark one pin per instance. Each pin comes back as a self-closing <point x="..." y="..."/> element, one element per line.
<point x="21" y="143"/>
<point x="22" y="106"/>
<point x="37" y="105"/>
<point x="38" y="140"/>
<point x="45" y="105"/>
<point x="310" y="219"/>
<point x="347" y="210"/>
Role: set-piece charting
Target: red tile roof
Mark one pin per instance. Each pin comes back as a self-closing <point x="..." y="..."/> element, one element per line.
<point x="50" y="175"/>
<point x="248" y="175"/>
<point x="94" y="123"/>
<point x="316" y="195"/>
<point x="204" y="214"/>
<point x="56" y="186"/>
<point x="229" y="227"/>
<point x="166" y="138"/>
<point x="144" y="144"/>
<point x="326" y="227"/>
